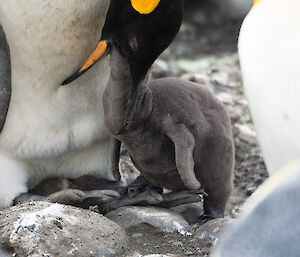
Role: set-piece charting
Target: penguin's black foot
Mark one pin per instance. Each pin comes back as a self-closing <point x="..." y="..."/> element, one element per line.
<point x="82" y="192"/>
<point x="98" y="197"/>
<point x="73" y="197"/>
<point x="92" y="183"/>
<point x="28" y="197"/>
<point x="146" y="198"/>
<point x="152" y="198"/>
<point x="140" y="185"/>
<point x="212" y="210"/>
<point x="204" y="218"/>
<point x="174" y="199"/>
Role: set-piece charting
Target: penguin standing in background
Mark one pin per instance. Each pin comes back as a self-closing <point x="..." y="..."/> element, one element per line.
<point x="52" y="131"/>
<point x="269" y="54"/>
<point x="177" y="133"/>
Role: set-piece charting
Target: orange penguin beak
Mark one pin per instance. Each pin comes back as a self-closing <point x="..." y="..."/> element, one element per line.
<point x="103" y="48"/>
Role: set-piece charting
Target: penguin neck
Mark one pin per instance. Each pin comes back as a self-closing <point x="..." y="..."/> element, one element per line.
<point x="125" y="109"/>
<point x="49" y="39"/>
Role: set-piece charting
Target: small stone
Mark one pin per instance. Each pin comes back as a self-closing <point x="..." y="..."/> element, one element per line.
<point x="191" y="212"/>
<point x="156" y="255"/>
<point x="210" y="231"/>
<point x="136" y="235"/>
<point x="247" y="134"/>
<point x="163" y="219"/>
<point x="128" y="171"/>
<point x="162" y="65"/>
<point x="178" y="244"/>
<point x="225" y="98"/>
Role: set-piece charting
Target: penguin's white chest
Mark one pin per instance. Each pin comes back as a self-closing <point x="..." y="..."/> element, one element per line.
<point x="270" y="59"/>
<point x="54" y="129"/>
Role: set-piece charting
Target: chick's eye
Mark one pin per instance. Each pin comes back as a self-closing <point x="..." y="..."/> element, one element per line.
<point x="133" y="44"/>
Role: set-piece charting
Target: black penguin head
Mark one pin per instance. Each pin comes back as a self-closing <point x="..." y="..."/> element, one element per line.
<point x="140" y="30"/>
<point x="141" y="38"/>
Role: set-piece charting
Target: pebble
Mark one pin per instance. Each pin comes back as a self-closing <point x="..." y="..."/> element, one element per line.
<point x="136" y="235"/>
<point x="163" y="219"/>
<point x="178" y="244"/>
<point x="247" y="134"/>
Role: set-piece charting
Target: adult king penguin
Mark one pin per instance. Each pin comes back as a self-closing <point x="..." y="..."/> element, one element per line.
<point x="52" y="130"/>
<point x="269" y="55"/>
<point x="269" y="52"/>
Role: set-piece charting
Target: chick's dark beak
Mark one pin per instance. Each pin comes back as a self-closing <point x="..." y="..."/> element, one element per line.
<point x="103" y="48"/>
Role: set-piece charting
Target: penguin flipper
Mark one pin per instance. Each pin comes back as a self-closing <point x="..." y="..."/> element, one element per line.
<point x="5" y="78"/>
<point x="184" y="143"/>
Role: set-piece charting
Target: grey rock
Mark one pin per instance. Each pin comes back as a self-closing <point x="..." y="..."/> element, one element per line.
<point x="190" y="212"/>
<point x="136" y="235"/>
<point x="210" y="232"/>
<point x="247" y="134"/>
<point x="163" y="219"/>
<point x="177" y="244"/>
<point x="225" y="97"/>
<point x="158" y="255"/>
<point x="128" y="171"/>
<point x="154" y="255"/>
<point x="44" y="229"/>
<point x="161" y="65"/>
<point x="205" y="62"/>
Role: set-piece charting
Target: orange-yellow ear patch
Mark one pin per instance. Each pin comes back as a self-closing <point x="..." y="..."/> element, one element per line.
<point x="257" y="1"/>
<point x="144" y="6"/>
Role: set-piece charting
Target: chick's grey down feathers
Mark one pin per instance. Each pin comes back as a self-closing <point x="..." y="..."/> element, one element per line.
<point x="179" y="135"/>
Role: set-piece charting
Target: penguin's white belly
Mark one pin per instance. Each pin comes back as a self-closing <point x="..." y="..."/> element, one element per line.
<point x="61" y="133"/>
<point x="52" y="130"/>
<point x="270" y="59"/>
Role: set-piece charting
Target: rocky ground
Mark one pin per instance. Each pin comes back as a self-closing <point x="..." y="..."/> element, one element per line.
<point x="204" y="52"/>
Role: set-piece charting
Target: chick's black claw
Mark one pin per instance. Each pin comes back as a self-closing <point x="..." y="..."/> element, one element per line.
<point x="140" y="185"/>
